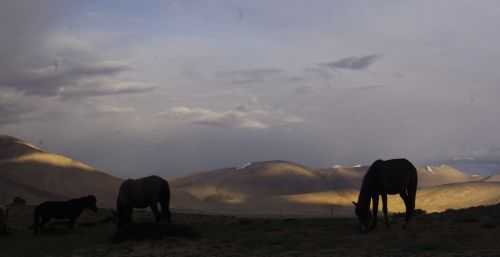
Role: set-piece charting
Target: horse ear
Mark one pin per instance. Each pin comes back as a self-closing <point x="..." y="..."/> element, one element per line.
<point x="355" y="204"/>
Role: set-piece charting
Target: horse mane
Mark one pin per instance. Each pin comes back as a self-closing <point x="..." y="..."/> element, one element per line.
<point x="366" y="185"/>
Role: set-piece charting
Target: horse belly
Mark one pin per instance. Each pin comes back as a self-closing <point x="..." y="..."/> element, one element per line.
<point x="393" y="192"/>
<point x="392" y="189"/>
<point x="141" y="205"/>
<point x="140" y="202"/>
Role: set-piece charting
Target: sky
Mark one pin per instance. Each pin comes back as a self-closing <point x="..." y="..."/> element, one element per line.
<point x="174" y="87"/>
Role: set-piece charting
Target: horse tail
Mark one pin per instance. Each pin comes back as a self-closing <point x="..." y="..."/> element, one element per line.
<point x="412" y="188"/>
<point x="165" y="201"/>
<point x="36" y="220"/>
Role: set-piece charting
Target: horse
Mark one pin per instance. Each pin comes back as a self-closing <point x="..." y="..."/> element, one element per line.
<point x="396" y="176"/>
<point x="142" y="193"/>
<point x="70" y="209"/>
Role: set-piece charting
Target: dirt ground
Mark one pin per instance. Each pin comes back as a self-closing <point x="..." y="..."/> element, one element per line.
<point x="472" y="232"/>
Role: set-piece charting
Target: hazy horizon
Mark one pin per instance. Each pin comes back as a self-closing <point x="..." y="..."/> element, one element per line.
<point x="174" y="87"/>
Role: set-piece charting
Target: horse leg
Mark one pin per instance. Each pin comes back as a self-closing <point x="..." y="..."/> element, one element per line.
<point x="36" y="223"/>
<point x="35" y="229"/>
<point x="71" y="223"/>
<point x="44" y="221"/>
<point x="375" y="211"/>
<point x="124" y="215"/>
<point x="154" y="208"/>
<point x="408" y="206"/>
<point x="164" y="199"/>
<point x="169" y="215"/>
<point x="384" y="208"/>
<point x="165" y="210"/>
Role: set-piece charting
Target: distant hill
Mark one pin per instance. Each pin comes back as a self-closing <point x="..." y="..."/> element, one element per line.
<point x="493" y="178"/>
<point x="36" y="175"/>
<point x="273" y="178"/>
<point x="259" y="178"/>
<point x="11" y="147"/>
<point x="351" y="177"/>
<point x="344" y="177"/>
<point x="431" y="199"/>
<point x="268" y="187"/>
<point x="443" y="174"/>
<point x="279" y="186"/>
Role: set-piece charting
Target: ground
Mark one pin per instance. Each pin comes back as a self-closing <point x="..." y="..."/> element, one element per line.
<point x="455" y="233"/>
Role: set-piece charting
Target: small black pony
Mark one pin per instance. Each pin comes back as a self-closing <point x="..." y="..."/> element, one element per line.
<point x="70" y="209"/>
<point x="397" y="176"/>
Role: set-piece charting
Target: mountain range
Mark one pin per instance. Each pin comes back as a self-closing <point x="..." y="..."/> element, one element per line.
<point x="258" y="188"/>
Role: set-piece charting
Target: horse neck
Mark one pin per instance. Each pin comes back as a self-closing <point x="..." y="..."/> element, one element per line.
<point x="366" y="190"/>
<point x="78" y="203"/>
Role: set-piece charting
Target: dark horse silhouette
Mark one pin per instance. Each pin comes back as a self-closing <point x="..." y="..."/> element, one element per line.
<point x="397" y="176"/>
<point x="70" y="209"/>
<point x="142" y="193"/>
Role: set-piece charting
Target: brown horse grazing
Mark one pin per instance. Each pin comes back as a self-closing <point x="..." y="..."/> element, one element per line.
<point x="70" y="210"/>
<point x="142" y="193"/>
<point x="397" y="176"/>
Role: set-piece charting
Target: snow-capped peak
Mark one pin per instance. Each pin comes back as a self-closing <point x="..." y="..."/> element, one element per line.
<point x="244" y="166"/>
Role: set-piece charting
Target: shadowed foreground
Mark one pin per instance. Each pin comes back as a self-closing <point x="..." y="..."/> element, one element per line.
<point x="454" y="233"/>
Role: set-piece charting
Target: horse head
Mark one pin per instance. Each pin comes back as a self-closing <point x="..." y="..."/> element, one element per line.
<point x="364" y="216"/>
<point x="91" y="203"/>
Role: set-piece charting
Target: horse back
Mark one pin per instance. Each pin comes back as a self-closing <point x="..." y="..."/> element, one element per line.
<point x="140" y="193"/>
<point x="395" y="176"/>
<point x="56" y="209"/>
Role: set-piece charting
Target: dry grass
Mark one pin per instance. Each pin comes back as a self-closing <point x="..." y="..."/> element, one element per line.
<point x="447" y="234"/>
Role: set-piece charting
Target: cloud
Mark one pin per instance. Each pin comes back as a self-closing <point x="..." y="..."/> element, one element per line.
<point x="49" y="80"/>
<point x="247" y="76"/>
<point x="225" y="119"/>
<point x="353" y="62"/>
<point x="47" y="70"/>
<point x="114" y="109"/>
<point x="70" y="79"/>
<point x="40" y="59"/>
<point x="12" y="108"/>
<point x="367" y="87"/>
<point x="304" y="90"/>
<point x="293" y="119"/>
<point x="296" y="79"/>
<point x="104" y="87"/>
<point x="241" y="117"/>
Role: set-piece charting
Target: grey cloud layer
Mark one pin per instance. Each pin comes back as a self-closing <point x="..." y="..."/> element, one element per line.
<point x="105" y="87"/>
<point x="240" y="117"/>
<point x="246" y="76"/>
<point x="38" y="61"/>
<point x="12" y="110"/>
<point x="433" y="95"/>
<point x="48" y="81"/>
<point x="353" y="62"/>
